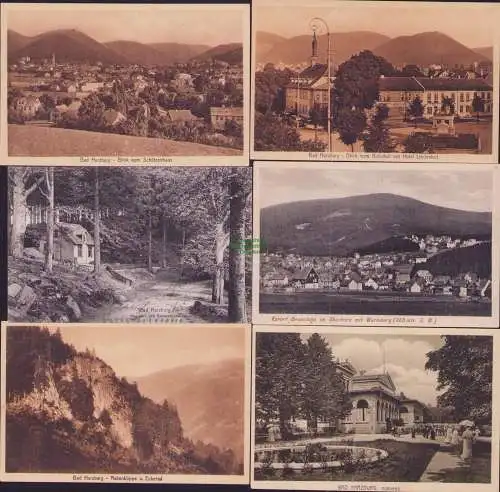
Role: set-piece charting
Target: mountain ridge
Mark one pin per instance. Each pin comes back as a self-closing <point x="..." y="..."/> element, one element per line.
<point x="72" y="45"/>
<point x="343" y="225"/>
<point x="423" y="48"/>
<point x="209" y="398"/>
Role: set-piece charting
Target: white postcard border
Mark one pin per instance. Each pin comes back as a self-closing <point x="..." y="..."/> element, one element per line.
<point x="128" y="477"/>
<point x="379" y="320"/>
<point x="395" y="157"/>
<point x="331" y="485"/>
<point x="239" y="159"/>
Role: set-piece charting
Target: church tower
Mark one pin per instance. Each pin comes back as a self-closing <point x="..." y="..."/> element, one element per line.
<point x="314" y="57"/>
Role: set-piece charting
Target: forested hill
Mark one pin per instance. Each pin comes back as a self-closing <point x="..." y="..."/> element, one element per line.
<point x="475" y="258"/>
<point x="340" y="226"/>
<point x="86" y="419"/>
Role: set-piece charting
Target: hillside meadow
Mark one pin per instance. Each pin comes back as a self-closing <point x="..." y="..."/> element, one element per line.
<point x="42" y="141"/>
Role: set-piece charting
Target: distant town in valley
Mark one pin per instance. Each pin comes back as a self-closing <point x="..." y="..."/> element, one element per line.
<point x="162" y="98"/>
<point x="345" y="260"/>
<point x="421" y="93"/>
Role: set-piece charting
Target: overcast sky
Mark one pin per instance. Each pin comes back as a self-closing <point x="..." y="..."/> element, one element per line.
<point x="405" y="358"/>
<point x="144" y="23"/>
<point x="135" y="350"/>
<point x="464" y="190"/>
<point x="391" y="19"/>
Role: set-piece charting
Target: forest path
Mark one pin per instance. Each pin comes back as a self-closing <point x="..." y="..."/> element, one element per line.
<point x="155" y="301"/>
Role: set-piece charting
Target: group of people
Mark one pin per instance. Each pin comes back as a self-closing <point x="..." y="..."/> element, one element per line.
<point x="461" y="438"/>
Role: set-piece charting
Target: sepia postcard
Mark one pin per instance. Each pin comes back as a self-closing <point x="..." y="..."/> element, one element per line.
<point x="382" y="81"/>
<point x="129" y="244"/>
<point x="132" y="84"/>
<point x="125" y="403"/>
<point x="379" y="409"/>
<point x="374" y="244"/>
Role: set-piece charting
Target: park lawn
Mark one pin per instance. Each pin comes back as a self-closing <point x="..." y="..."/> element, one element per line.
<point x="406" y="463"/>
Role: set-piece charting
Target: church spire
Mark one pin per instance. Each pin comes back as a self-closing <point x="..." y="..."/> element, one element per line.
<point x="314" y="57"/>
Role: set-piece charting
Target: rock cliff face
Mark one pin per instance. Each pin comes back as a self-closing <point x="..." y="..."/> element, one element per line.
<point x="107" y="395"/>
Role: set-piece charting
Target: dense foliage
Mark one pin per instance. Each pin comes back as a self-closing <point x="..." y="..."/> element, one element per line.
<point x="465" y="369"/>
<point x="297" y="379"/>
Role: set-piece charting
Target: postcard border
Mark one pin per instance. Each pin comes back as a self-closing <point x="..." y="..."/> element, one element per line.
<point x="384" y="486"/>
<point x="395" y="157"/>
<point x="380" y="320"/>
<point x="211" y="160"/>
<point x="100" y="477"/>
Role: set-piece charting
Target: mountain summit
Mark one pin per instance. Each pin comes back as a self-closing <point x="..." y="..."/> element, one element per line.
<point x="340" y="226"/>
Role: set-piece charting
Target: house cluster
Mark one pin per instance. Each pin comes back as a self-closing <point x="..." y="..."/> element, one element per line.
<point x="395" y="272"/>
<point x="431" y="244"/>
<point x="217" y="84"/>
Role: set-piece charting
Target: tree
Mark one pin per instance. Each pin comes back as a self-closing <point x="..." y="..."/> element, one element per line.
<point x="416" y="109"/>
<point x="97" y="224"/>
<point x="477" y="105"/>
<point x="447" y="105"/>
<point x="377" y="137"/>
<point x="317" y="118"/>
<point x="279" y="377"/>
<point x="275" y="134"/>
<point x="324" y="393"/>
<point x="269" y="89"/>
<point x="49" y="195"/>
<point x="239" y="189"/>
<point x="465" y="366"/>
<point x="23" y="181"/>
<point x="418" y="143"/>
<point x="357" y="81"/>
<point x="350" y="124"/>
<point x="91" y="113"/>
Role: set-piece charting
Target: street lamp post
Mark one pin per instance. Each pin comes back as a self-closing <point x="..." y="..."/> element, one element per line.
<point x="314" y="26"/>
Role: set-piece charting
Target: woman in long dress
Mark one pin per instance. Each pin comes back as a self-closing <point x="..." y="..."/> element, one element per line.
<point x="449" y="434"/>
<point x="468" y="439"/>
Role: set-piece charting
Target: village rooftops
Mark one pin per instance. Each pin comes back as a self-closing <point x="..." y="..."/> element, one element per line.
<point x="421" y="84"/>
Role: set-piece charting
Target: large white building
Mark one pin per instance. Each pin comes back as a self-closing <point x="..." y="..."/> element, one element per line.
<point x="399" y="92"/>
<point x="376" y="402"/>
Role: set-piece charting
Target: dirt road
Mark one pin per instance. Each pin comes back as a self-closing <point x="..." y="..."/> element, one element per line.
<point x="154" y="301"/>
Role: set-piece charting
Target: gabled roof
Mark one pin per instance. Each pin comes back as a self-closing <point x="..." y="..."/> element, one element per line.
<point x="302" y="274"/>
<point x="399" y="84"/>
<point x="75" y="232"/>
<point x="181" y="115"/>
<point x="385" y="379"/>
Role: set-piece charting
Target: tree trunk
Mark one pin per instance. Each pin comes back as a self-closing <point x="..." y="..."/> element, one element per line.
<point x="182" y="252"/>
<point x="150" y="243"/>
<point x="218" y="278"/>
<point x="164" y="244"/>
<point x="236" y="296"/>
<point x="97" y="225"/>
<point x="49" y="253"/>
<point x="19" y="212"/>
